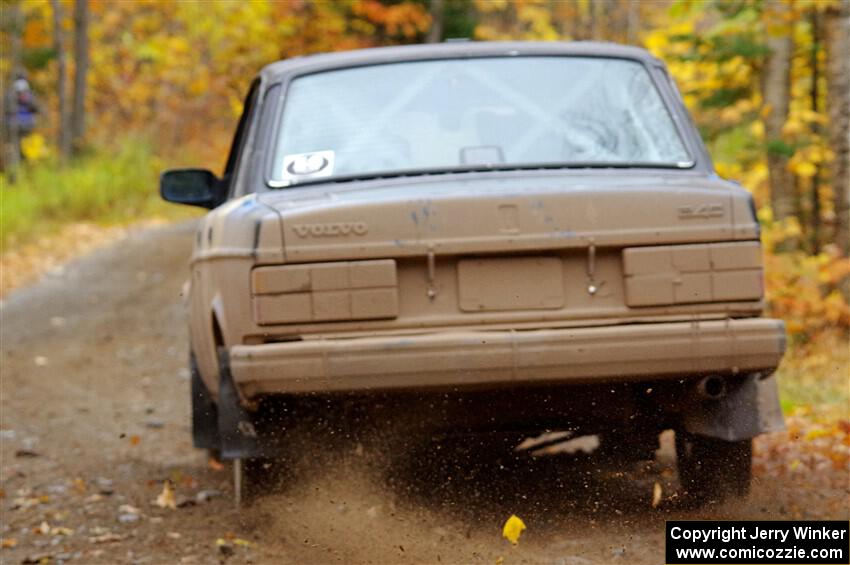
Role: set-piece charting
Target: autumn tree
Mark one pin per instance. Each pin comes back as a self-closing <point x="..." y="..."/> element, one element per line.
<point x="63" y="130"/>
<point x="435" y="32"/>
<point x="81" y="66"/>
<point x="838" y="70"/>
<point x="12" y="25"/>
<point x="776" y="89"/>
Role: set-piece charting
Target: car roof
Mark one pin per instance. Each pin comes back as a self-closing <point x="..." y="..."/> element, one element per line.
<point x="451" y="50"/>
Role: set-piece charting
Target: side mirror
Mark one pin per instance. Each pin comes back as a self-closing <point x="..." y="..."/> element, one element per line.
<point x="194" y="187"/>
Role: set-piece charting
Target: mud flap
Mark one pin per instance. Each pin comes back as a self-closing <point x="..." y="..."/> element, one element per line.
<point x="749" y="409"/>
<point x="204" y="412"/>
<point x="236" y="427"/>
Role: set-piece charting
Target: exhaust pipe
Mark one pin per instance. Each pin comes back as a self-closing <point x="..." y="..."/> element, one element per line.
<point x="712" y="387"/>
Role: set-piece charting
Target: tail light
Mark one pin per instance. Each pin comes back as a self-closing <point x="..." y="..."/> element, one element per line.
<point x="324" y="292"/>
<point x="684" y="274"/>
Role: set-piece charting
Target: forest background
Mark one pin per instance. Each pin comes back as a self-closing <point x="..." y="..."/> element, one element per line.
<point x="128" y="88"/>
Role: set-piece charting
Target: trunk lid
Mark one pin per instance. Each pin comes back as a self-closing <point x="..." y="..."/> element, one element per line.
<point x="508" y="213"/>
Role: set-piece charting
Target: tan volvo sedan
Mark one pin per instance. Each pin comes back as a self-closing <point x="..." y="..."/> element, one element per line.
<point x="496" y="238"/>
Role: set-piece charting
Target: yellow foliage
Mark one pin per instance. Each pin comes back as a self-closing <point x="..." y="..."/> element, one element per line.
<point x="34" y="147"/>
<point x="656" y="42"/>
<point x="235" y="106"/>
<point x="793" y="127"/>
<point x="805" y="169"/>
<point x="490" y="5"/>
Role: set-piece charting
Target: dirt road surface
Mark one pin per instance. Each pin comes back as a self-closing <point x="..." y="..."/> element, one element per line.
<point x="95" y="416"/>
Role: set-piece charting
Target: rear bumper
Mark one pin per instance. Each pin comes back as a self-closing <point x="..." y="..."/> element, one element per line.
<point x="497" y="358"/>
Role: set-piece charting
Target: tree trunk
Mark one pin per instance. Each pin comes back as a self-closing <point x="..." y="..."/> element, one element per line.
<point x="814" y="95"/>
<point x="776" y="94"/>
<point x="838" y="100"/>
<point x="435" y="33"/>
<point x="633" y="22"/>
<point x="81" y="65"/>
<point x="595" y="24"/>
<point x="10" y="142"/>
<point x="63" y="129"/>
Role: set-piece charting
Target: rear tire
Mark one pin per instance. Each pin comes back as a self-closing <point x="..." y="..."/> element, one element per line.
<point x="712" y="470"/>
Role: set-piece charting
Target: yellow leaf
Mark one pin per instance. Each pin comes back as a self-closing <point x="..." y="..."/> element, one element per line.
<point x="793" y="127"/>
<point x="34" y="147"/>
<point x="805" y="169"/>
<point x="235" y="106"/>
<point x="815" y="433"/>
<point x="513" y="528"/>
<point x="166" y="497"/>
<point x="656" y="495"/>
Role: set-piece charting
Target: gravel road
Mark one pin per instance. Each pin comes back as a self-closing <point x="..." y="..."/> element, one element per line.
<point x="95" y="417"/>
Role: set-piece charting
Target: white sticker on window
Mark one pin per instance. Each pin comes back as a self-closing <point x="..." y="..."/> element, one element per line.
<point x="305" y="166"/>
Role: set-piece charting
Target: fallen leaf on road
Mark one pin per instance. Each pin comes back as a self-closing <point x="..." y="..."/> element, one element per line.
<point x="24" y="502"/>
<point x="8" y="543"/>
<point x="43" y="529"/>
<point x="224" y="547"/>
<point x="513" y="528"/>
<point x="135" y="440"/>
<point x="37" y="558"/>
<point x="215" y="464"/>
<point x="166" y="498"/>
<point x="60" y="531"/>
<point x="80" y="485"/>
<point x="106" y="538"/>
<point x="656" y="495"/>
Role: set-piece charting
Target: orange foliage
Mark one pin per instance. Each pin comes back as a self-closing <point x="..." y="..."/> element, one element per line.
<point x="802" y="289"/>
<point x="176" y="71"/>
<point x="406" y="20"/>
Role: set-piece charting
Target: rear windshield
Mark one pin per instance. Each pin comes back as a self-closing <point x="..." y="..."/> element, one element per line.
<point x="449" y="114"/>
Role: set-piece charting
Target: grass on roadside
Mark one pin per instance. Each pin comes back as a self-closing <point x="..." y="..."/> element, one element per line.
<point x="815" y="378"/>
<point x="105" y="188"/>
